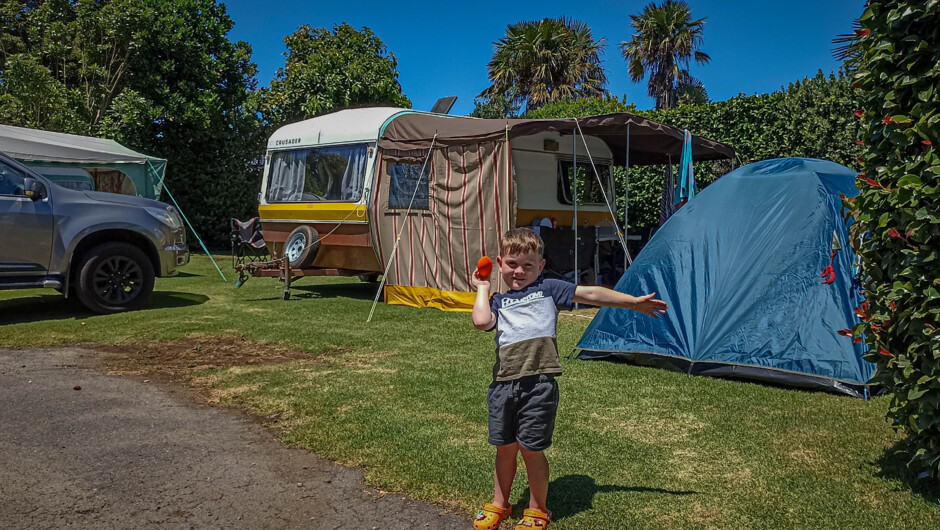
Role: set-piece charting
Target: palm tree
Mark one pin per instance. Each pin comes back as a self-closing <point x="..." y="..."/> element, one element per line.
<point x="693" y="93"/>
<point x="666" y="39"/>
<point x="546" y="60"/>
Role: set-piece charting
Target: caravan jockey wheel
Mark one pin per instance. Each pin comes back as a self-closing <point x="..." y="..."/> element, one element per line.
<point x="301" y="247"/>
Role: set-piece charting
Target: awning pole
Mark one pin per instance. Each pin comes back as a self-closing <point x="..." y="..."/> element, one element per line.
<point x="574" y="199"/>
<point x="627" y="259"/>
<point x="180" y="210"/>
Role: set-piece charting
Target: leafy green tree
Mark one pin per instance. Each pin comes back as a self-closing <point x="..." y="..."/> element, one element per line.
<point x="693" y="94"/>
<point x="31" y="97"/>
<point x="326" y="71"/>
<point x="159" y="76"/>
<point x="498" y="106"/>
<point x="546" y="60"/>
<point x="666" y="39"/>
<point x="894" y="58"/>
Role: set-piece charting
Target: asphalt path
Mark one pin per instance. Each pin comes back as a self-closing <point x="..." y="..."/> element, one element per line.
<point x="122" y="453"/>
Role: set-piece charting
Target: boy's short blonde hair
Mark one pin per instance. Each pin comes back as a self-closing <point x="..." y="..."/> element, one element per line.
<point x="521" y="241"/>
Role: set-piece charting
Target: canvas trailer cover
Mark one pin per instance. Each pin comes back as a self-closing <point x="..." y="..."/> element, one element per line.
<point x="35" y="148"/>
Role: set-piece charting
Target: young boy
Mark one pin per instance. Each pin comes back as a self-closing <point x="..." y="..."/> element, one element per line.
<point x="523" y="397"/>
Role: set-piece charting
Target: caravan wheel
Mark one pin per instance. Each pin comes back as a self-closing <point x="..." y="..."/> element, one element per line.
<point x="301" y="247"/>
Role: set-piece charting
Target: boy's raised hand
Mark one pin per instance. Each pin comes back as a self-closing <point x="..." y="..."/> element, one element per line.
<point x="478" y="281"/>
<point x="647" y="305"/>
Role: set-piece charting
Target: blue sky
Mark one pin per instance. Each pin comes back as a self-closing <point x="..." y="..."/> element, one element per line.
<point x="443" y="48"/>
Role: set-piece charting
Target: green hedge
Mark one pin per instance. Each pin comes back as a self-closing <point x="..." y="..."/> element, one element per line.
<point x="809" y="118"/>
<point x="897" y="74"/>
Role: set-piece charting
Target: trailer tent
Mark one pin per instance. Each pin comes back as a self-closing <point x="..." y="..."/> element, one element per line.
<point x="744" y="267"/>
<point x="364" y="180"/>
<point x="112" y="166"/>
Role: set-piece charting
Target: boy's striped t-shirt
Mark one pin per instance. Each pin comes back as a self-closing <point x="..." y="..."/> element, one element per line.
<point x="525" y="328"/>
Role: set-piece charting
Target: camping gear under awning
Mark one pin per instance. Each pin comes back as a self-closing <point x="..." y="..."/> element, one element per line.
<point x="46" y="148"/>
<point x="650" y="142"/>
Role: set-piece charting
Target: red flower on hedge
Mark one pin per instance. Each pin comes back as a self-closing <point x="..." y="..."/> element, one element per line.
<point x="894" y="233"/>
<point x="892" y="305"/>
<point x="845" y="332"/>
<point x="857" y="84"/>
<point x="860" y="160"/>
<point x="863" y="32"/>
<point x="864" y="305"/>
<point x="926" y="142"/>
<point x="886" y="353"/>
<point x="857" y="340"/>
<point x="859" y="113"/>
<point x="860" y="314"/>
<point x="859" y="142"/>
<point x="874" y="183"/>
<point x="887" y="120"/>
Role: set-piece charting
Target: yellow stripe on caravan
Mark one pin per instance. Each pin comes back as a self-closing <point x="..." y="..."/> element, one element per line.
<point x="314" y="211"/>
<point x="429" y="297"/>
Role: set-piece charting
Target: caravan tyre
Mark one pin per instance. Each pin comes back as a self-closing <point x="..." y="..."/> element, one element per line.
<point x="301" y="247"/>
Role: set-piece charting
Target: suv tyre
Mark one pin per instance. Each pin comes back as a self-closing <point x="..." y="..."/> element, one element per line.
<point x="114" y="277"/>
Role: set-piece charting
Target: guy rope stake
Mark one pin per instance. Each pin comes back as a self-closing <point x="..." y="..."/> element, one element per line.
<point x="183" y="215"/>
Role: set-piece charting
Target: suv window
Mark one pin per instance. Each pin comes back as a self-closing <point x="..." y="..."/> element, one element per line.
<point x="12" y="181"/>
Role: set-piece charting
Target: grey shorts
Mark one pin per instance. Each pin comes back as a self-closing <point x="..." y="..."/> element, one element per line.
<point x="523" y="410"/>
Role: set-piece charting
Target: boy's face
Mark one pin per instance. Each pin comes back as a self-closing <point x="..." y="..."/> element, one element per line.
<point x="520" y="270"/>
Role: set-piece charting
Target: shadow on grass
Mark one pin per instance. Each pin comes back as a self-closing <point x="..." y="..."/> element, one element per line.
<point x="893" y="467"/>
<point x="573" y="494"/>
<point x="299" y="291"/>
<point x="56" y="307"/>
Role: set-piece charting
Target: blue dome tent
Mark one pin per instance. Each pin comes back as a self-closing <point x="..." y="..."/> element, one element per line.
<point x="757" y="272"/>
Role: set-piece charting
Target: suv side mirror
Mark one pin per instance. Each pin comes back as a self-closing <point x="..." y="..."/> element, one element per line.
<point x="34" y="189"/>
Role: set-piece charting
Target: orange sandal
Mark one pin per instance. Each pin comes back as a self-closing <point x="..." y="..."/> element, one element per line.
<point x="490" y="517"/>
<point x="534" y="519"/>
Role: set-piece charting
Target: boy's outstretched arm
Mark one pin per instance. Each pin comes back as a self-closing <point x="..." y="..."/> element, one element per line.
<point x="483" y="317"/>
<point x="595" y="295"/>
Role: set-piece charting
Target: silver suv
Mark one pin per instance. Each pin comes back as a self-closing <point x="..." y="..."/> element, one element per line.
<point x="104" y="248"/>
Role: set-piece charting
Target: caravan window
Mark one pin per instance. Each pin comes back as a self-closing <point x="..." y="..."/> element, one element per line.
<point x="589" y="191"/>
<point x="318" y="174"/>
<point x="407" y="181"/>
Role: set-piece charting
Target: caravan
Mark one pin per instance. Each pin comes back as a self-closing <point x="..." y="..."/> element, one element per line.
<point x="419" y="197"/>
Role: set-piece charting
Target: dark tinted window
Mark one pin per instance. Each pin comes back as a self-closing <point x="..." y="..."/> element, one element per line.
<point x="408" y="180"/>
<point x="11" y="180"/>
<point x="589" y="191"/>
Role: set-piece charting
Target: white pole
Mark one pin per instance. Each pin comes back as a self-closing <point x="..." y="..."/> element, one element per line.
<point x="574" y="199"/>
<point x="627" y="259"/>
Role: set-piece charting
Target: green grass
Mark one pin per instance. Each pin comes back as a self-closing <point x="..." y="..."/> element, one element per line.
<point x="404" y="398"/>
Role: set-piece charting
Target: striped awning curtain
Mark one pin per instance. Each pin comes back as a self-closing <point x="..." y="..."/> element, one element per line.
<point x="469" y="205"/>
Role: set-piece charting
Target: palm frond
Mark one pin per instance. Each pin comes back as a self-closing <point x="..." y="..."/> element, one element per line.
<point x="848" y="43"/>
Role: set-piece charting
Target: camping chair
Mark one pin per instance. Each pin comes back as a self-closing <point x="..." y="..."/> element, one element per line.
<point x="248" y="246"/>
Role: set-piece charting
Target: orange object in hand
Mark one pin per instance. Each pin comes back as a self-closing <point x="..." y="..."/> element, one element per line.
<point x="485" y="267"/>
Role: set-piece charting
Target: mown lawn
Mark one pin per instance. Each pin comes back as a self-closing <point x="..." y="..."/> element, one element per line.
<point x="404" y="398"/>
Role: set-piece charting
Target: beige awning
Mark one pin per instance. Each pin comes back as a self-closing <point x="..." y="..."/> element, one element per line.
<point x="650" y="142"/>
